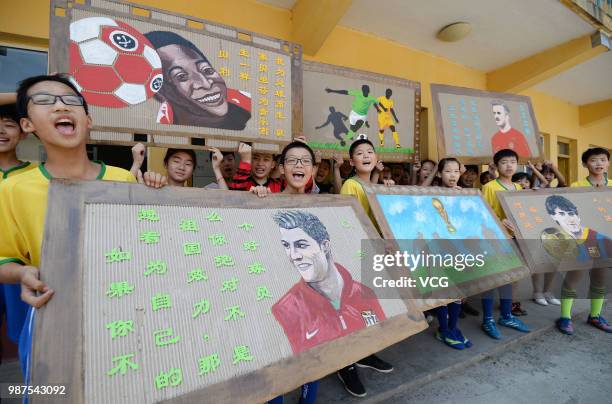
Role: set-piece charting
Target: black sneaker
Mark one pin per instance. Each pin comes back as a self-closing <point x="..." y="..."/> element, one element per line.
<point x="350" y="379"/>
<point x="469" y="309"/>
<point x="375" y="363"/>
<point x="517" y="310"/>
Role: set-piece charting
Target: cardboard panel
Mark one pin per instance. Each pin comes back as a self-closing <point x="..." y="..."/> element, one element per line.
<point x="472" y="125"/>
<point x="328" y="115"/>
<point x="148" y="71"/>
<point x="190" y="295"/>
<point x="562" y="229"/>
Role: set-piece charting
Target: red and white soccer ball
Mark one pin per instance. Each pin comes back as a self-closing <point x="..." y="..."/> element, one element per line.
<point x="113" y="64"/>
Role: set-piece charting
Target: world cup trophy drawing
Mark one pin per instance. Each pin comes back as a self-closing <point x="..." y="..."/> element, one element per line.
<point x="442" y="211"/>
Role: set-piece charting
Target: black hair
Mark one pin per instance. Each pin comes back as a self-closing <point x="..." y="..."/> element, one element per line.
<point x="442" y="163"/>
<point x="471" y="167"/>
<point x="224" y="153"/>
<point x="484" y="175"/>
<point x="159" y="39"/>
<point x="594" y="151"/>
<point x="504" y="153"/>
<point x="9" y="111"/>
<point x="294" y="145"/>
<point x="357" y="143"/>
<point x="26" y="84"/>
<point x="171" y="152"/>
<point x="516" y="177"/>
<point x="559" y="202"/>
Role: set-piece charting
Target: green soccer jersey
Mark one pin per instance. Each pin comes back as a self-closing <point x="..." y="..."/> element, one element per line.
<point x="361" y="103"/>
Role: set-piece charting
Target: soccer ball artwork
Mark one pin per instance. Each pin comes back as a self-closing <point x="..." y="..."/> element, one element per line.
<point x="112" y="64"/>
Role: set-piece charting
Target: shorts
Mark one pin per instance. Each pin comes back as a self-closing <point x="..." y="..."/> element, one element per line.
<point x="354" y="117"/>
<point x="385" y="120"/>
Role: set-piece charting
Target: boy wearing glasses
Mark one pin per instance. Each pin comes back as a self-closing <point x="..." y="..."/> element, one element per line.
<point x="51" y="108"/>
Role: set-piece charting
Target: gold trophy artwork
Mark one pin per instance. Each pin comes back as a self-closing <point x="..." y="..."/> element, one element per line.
<point x="440" y="208"/>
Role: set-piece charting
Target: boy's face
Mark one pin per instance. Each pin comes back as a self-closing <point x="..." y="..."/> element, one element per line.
<point x="469" y="178"/>
<point x="548" y="175"/>
<point x="180" y="167"/>
<point x="263" y="163"/>
<point x="10" y="135"/>
<point x="425" y="170"/>
<point x="597" y="164"/>
<point x="297" y="167"/>
<point x="396" y="174"/>
<point x="569" y="221"/>
<point x="228" y="166"/>
<point x="345" y="169"/>
<point x="364" y="158"/>
<point x="507" y="166"/>
<point x="58" y="124"/>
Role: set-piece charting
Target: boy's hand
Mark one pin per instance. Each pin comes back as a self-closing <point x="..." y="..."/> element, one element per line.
<point x="462" y="169"/>
<point x="152" y="179"/>
<point x="509" y="225"/>
<point x="138" y="153"/>
<point x="416" y="167"/>
<point x="338" y="159"/>
<point x="388" y="183"/>
<point x="300" y="138"/>
<point x="245" y="151"/>
<point x="260" y="191"/>
<point x="216" y="158"/>
<point x="380" y="166"/>
<point x="492" y="169"/>
<point x="31" y="285"/>
<point x="318" y="157"/>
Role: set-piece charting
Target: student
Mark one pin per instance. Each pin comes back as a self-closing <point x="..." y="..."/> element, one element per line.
<point x="10" y="136"/>
<point x="297" y="166"/>
<point x="505" y="161"/>
<point x="53" y="109"/>
<point x="449" y="171"/>
<point x="11" y="166"/>
<point x="522" y="179"/>
<point x="485" y="177"/>
<point x="597" y="161"/>
<point x="423" y="172"/>
<point x="226" y="168"/>
<point x="550" y="172"/>
<point x="362" y="158"/>
<point x="469" y="176"/>
<point x="323" y="178"/>
<point x="254" y="170"/>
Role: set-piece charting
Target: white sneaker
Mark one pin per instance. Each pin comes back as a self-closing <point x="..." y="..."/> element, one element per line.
<point x="551" y="299"/>
<point x="539" y="299"/>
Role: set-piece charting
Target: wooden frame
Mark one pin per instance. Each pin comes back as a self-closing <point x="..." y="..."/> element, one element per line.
<point x="58" y="355"/>
<point x="347" y="72"/>
<point x="443" y="150"/>
<point x="469" y="288"/>
<point x="60" y="18"/>
<point x="508" y="198"/>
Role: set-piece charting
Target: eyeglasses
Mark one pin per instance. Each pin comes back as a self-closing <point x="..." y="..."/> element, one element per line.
<point x="50" y="99"/>
<point x="292" y="161"/>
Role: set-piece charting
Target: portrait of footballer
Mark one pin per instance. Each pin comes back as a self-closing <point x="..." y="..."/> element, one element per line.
<point x="326" y="303"/>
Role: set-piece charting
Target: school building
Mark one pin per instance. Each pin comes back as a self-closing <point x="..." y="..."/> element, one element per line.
<point x="555" y="51"/>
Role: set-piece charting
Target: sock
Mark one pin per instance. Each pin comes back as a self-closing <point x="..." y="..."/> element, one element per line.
<point x="567" y="299"/>
<point x="381" y="136"/>
<point x="309" y="393"/>
<point x="453" y="315"/>
<point x="487" y="308"/>
<point x="442" y="313"/>
<point x="505" y="307"/>
<point x="396" y="138"/>
<point x="597" y="300"/>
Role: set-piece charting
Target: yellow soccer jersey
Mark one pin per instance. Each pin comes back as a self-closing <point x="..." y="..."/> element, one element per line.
<point x="387" y="103"/>
<point x="354" y="188"/>
<point x="16" y="170"/>
<point x="23" y="206"/>
<point x="489" y="192"/>
<point x="587" y="183"/>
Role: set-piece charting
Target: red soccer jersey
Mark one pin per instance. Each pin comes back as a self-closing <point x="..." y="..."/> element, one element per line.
<point x="513" y="140"/>
<point x="309" y="318"/>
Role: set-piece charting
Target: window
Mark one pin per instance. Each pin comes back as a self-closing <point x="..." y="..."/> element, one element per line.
<point x="567" y="159"/>
<point x="17" y="64"/>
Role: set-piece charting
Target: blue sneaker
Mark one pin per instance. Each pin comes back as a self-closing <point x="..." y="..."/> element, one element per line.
<point x="514" y="323"/>
<point x="489" y="327"/>
<point x="450" y="339"/>
<point x="599" y="322"/>
<point x="565" y="325"/>
<point x="459" y="336"/>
